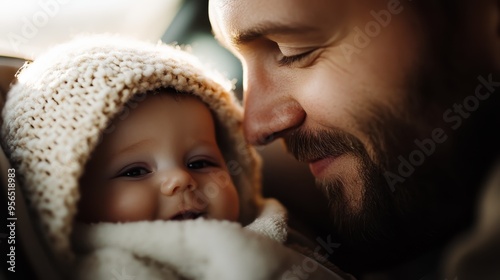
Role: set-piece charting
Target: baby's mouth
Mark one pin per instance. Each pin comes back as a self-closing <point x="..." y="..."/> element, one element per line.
<point x="188" y="215"/>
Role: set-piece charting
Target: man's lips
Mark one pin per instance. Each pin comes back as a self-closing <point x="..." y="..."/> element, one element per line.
<point x="319" y="166"/>
<point x="188" y="215"/>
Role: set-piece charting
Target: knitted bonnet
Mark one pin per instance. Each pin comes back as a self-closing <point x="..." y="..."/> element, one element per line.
<point x="63" y="102"/>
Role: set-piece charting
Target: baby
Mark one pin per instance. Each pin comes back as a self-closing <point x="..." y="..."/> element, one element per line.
<point x="161" y="162"/>
<point x="115" y="141"/>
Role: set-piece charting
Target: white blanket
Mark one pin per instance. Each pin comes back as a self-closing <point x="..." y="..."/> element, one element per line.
<point x="194" y="249"/>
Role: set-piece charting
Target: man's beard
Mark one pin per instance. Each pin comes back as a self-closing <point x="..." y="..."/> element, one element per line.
<point x="423" y="213"/>
<point x="353" y="225"/>
<point x="405" y="218"/>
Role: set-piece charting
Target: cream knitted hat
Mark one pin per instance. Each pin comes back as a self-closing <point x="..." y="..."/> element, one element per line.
<point x="64" y="100"/>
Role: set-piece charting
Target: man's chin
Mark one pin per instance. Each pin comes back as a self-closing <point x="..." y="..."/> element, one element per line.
<point x="341" y="201"/>
<point x="366" y="232"/>
<point x="361" y="220"/>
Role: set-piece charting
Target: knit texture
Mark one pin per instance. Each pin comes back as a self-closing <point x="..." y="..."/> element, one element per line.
<point x="63" y="102"/>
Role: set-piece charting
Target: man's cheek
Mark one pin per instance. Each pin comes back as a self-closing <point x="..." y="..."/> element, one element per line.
<point x="324" y="94"/>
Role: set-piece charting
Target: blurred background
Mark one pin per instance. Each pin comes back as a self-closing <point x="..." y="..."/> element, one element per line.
<point x="29" y="27"/>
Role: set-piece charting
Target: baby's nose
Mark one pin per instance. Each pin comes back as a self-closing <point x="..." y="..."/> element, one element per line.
<point x="177" y="181"/>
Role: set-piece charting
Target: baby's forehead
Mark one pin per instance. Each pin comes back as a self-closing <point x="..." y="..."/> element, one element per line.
<point x="174" y="111"/>
<point x="162" y="116"/>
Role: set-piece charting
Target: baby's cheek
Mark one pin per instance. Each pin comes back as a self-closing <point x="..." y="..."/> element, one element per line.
<point x="229" y="203"/>
<point x="219" y="191"/>
<point x="128" y="203"/>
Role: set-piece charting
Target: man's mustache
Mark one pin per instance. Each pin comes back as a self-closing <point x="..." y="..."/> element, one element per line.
<point x="308" y="145"/>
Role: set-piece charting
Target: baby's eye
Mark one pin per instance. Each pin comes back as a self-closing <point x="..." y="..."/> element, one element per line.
<point x="198" y="164"/>
<point x="134" y="172"/>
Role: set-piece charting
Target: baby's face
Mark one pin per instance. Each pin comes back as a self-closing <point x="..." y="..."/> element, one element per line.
<point x="160" y="161"/>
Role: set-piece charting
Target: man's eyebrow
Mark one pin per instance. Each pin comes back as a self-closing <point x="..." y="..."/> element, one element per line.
<point x="251" y="34"/>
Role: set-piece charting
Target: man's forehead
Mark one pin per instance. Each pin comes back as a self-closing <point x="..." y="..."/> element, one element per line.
<point x="217" y="10"/>
<point x="236" y="22"/>
<point x="231" y="16"/>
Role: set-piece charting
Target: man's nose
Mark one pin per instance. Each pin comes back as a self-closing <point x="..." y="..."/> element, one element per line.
<point x="177" y="181"/>
<point x="270" y="111"/>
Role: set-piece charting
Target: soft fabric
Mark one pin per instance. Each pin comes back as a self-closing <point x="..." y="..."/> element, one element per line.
<point x="476" y="255"/>
<point x="63" y="102"/>
<point x="195" y="249"/>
